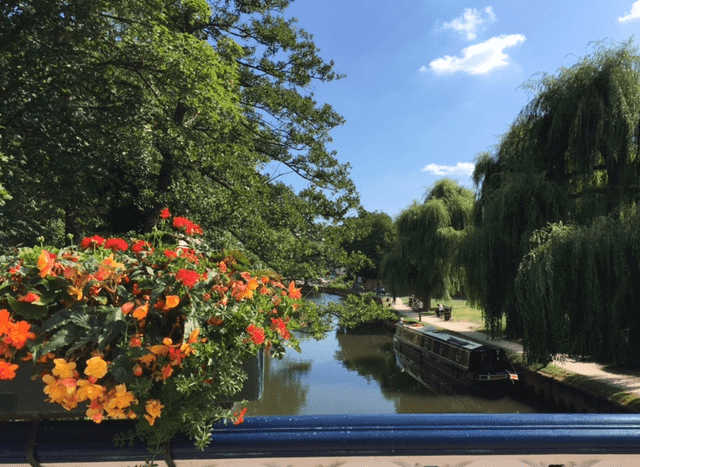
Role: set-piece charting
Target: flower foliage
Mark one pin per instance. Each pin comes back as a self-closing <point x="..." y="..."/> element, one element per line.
<point x="152" y="329"/>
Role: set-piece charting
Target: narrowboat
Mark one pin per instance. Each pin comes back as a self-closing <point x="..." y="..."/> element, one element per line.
<point x="451" y="364"/>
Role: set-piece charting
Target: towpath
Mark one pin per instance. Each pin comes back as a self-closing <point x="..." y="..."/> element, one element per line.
<point x="628" y="383"/>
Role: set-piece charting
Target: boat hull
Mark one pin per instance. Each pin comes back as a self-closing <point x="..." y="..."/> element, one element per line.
<point x="450" y="365"/>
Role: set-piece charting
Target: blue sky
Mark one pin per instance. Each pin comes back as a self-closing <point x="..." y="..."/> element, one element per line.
<point x="431" y="83"/>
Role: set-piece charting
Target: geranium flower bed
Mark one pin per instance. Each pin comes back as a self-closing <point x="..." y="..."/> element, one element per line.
<point x="152" y="329"/>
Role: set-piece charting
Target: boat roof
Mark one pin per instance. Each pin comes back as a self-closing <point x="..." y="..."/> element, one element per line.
<point x="440" y="334"/>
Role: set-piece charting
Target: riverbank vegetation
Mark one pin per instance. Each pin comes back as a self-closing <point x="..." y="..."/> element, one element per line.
<point x="550" y="246"/>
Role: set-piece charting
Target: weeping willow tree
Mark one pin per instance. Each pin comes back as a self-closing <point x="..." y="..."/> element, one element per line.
<point x="578" y="290"/>
<point x="570" y="159"/>
<point x="428" y="235"/>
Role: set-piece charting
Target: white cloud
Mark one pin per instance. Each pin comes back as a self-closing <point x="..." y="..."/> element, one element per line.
<point x="461" y="169"/>
<point x="478" y="59"/>
<point x="635" y="13"/>
<point x="470" y="20"/>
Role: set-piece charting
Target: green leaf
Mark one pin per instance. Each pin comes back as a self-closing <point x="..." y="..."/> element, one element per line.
<point x="62" y="338"/>
<point x="27" y="310"/>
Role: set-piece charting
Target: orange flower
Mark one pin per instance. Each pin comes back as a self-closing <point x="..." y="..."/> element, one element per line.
<point x="96" y="368"/>
<point x="292" y="291"/>
<point x="159" y="349"/>
<point x="46" y="261"/>
<point x="18" y="334"/>
<point x="7" y="370"/>
<point x="138" y="370"/>
<point x="5" y="322"/>
<point x="171" y="301"/>
<point x="141" y="312"/>
<point x="102" y="274"/>
<point x="148" y="359"/>
<point x="193" y="337"/>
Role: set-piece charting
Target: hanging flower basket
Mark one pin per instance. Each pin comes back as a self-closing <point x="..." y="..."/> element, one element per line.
<point x="154" y="329"/>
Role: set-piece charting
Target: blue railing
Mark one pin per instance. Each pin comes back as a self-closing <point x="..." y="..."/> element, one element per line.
<point x="338" y="436"/>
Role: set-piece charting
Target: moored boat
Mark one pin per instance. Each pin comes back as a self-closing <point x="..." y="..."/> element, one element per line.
<point x="451" y="364"/>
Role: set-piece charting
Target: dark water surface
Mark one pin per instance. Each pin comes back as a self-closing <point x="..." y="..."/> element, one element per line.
<point x="355" y="372"/>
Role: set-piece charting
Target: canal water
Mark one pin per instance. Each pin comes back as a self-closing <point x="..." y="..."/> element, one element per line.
<point x="355" y="372"/>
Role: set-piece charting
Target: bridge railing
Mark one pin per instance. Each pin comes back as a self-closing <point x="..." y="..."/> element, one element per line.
<point x="424" y="439"/>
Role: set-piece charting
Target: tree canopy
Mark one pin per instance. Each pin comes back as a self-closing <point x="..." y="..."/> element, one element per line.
<point x="555" y="229"/>
<point x="113" y="110"/>
<point x="428" y="235"/>
<point x="372" y="237"/>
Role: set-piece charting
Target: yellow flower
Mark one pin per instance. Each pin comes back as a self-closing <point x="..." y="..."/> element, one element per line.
<point x="64" y="369"/>
<point x="153" y="408"/>
<point x="110" y="262"/>
<point x="56" y="391"/>
<point x="75" y="292"/>
<point x="46" y="261"/>
<point x="121" y="398"/>
<point x="89" y="391"/>
<point x="96" y="368"/>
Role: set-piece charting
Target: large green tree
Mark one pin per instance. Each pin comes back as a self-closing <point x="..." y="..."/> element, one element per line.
<point x="112" y="110"/>
<point x="424" y="256"/>
<point x="372" y="237"/>
<point x="567" y="169"/>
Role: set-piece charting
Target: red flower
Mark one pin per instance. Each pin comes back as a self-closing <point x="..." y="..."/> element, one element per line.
<point x="187" y="277"/>
<point x="256" y="333"/>
<point x="280" y="327"/>
<point x="30" y="297"/>
<point x="165" y="213"/>
<point x="92" y="242"/>
<point x="116" y="244"/>
<point x="239" y="416"/>
<point x="140" y="246"/>
<point x="187" y="226"/>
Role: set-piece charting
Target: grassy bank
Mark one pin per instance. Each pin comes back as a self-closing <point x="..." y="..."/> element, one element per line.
<point x="461" y="312"/>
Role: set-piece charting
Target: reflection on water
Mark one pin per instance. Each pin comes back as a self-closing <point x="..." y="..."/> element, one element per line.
<point x="355" y="372"/>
